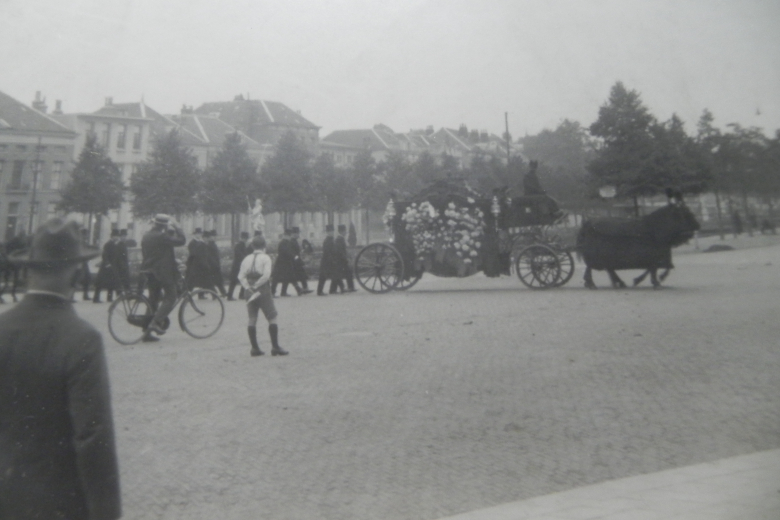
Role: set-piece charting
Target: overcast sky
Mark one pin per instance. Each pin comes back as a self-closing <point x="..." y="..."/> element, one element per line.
<point x="406" y="63"/>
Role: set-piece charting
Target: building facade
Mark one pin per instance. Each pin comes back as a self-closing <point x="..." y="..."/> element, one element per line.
<point x="36" y="156"/>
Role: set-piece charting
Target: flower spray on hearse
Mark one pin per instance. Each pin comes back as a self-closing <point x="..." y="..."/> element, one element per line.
<point x="451" y="230"/>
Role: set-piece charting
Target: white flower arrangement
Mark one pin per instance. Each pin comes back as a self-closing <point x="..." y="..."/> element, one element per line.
<point x="453" y="237"/>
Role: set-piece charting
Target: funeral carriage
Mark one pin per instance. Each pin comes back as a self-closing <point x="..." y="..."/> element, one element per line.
<point x="451" y="230"/>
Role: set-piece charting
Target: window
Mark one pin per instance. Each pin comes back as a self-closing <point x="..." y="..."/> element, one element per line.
<point x="21" y="147"/>
<point x="104" y="136"/>
<point x="51" y="210"/>
<point x="13" y="208"/>
<point x="16" y="175"/>
<point x="121" y="136"/>
<point x="37" y="170"/>
<point x="137" y="139"/>
<point x="2" y="168"/>
<point x="56" y="175"/>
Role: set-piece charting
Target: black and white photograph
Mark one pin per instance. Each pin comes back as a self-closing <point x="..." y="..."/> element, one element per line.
<point x="390" y="260"/>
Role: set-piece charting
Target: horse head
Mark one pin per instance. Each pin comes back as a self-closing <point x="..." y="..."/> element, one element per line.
<point x="674" y="224"/>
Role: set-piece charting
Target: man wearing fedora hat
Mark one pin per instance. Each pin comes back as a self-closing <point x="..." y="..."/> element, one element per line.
<point x="159" y="265"/>
<point x="57" y="450"/>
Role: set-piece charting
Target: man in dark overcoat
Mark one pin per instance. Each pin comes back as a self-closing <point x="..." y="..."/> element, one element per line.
<point x="300" y="267"/>
<point x="57" y="450"/>
<point x="107" y="273"/>
<point x="284" y="271"/>
<point x="122" y="261"/>
<point x="162" y="272"/>
<point x="240" y="250"/>
<point x="215" y="263"/>
<point x="344" y="271"/>
<point x="328" y="266"/>
<point x="198" y="272"/>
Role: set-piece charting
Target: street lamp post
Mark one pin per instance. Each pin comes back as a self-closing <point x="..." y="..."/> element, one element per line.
<point x="36" y="167"/>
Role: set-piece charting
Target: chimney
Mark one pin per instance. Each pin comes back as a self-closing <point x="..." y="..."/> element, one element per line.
<point x="58" y="108"/>
<point x="109" y="101"/>
<point x="40" y="102"/>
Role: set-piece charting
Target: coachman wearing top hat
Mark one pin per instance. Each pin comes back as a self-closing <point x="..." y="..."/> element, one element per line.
<point x="57" y="451"/>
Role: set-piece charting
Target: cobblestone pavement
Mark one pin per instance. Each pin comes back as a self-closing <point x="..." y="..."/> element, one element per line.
<point x="454" y="396"/>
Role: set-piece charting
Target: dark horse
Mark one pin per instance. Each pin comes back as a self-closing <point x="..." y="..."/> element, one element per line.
<point x="612" y="244"/>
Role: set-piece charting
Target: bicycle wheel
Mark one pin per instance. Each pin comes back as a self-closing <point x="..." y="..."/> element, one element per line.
<point x="201" y="313"/>
<point x="128" y="316"/>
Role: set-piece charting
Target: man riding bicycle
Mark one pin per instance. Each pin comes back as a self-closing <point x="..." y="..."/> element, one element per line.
<point x="159" y="265"/>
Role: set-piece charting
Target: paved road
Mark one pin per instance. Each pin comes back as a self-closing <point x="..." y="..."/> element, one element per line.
<point x="455" y="396"/>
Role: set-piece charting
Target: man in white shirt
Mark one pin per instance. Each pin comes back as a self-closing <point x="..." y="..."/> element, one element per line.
<point x="254" y="276"/>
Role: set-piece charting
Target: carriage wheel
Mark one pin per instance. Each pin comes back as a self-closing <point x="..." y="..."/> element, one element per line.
<point x="567" y="267"/>
<point x="538" y="266"/>
<point x="379" y="268"/>
<point x="405" y="284"/>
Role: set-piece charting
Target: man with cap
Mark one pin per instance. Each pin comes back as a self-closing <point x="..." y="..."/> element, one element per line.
<point x="240" y="250"/>
<point x="107" y="273"/>
<point x="198" y="273"/>
<point x="255" y="277"/>
<point x="57" y="449"/>
<point x="162" y="272"/>
<point x="343" y="269"/>
<point x="328" y="267"/>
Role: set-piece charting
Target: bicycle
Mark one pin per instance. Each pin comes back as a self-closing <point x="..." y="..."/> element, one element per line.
<point x="201" y="312"/>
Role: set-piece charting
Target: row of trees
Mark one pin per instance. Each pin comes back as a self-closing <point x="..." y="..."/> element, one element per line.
<point x="626" y="148"/>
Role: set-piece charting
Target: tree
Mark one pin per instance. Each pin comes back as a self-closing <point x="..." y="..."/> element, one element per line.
<point x="563" y="154"/>
<point x="231" y="182"/>
<point x="709" y="140"/>
<point x="425" y="169"/>
<point x="676" y="158"/>
<point x="286" y="178"/>
<point x="336" y="192"/>
<point x="623" y="158"/>
<point x="95" y="185"/>
<point x="169" y="181"/>
<point x="396" y="170"/>
<point x="369" y="192"/>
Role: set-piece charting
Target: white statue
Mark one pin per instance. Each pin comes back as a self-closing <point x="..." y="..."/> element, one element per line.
<point x="258" y="221"/>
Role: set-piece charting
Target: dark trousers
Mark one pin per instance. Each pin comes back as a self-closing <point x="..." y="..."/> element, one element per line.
<point x="86" y="279"/>
<point x="165" y="305"/>
<point x="321" y="283"/>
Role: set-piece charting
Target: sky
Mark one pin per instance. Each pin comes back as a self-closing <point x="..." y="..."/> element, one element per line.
<point x="409" y="64"/>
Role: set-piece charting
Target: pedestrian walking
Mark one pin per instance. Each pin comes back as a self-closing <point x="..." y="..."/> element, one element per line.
<point x="328" y="267"/>
<point x="106" y="277"/>
<point x="299" y="264"/>
<point x="198" y="265"/>
<point x="285" y="271"/>
<point x="162" y="272"/>
<point x="122" y="261"/>
<point x="85" y="275"/>
<point x="343" y="269"/>
<point x="255" y="277"/>
<point x="57" y="448"/>
<point x="240" y="250"/>
<point x="215" y="263"/>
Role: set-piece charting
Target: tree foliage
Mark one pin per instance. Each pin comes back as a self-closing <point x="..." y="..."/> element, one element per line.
<point x="564" y="154"/>
<point x="231" y="181"/>
<point x="95" y="185"/>
<point x="169" y="181"/>
<point x="623" y="156"/>
<point x="336" y="191"/>
<point x="287" y="179"/>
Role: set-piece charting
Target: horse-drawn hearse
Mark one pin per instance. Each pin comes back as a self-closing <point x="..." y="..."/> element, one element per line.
<point x="451" y="230"/>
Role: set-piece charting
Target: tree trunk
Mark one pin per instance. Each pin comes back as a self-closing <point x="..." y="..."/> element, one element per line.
<point x="636" y="206"/>
<point x="747" y="213"/>
<point x="368" y="226"/>
<point x="89" y="229"/>
<point x="720" y="215"/>
<point x="233" y="234"/>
